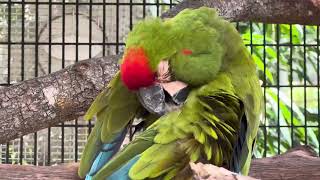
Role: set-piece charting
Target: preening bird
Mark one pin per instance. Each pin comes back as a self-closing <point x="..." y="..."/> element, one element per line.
<point x="194" y="84"/>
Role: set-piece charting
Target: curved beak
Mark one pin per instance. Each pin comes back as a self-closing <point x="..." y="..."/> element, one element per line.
<point x="165" y="95"/>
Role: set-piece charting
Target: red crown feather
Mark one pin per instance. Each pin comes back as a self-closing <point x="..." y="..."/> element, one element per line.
<point x="135" y="70"/>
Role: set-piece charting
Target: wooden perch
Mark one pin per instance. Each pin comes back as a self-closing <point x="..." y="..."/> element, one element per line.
<point x="298" y="163"/>
<point x="211" y="172"/>
<point x="68" y="171"/>
<point x="65" y="95"/>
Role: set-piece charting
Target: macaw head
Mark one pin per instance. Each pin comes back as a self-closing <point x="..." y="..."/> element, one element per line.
<point x="201" y="49"/>
<point x="191" y="42"/>
<point x="147" y="45"/>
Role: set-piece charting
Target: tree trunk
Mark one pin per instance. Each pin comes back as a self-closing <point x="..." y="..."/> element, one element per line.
<point x="298" y="163"/>
<point x="65" y="95"/>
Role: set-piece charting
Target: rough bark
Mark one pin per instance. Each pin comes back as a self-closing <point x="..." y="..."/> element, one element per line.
<point x="61" y="96"/>
<point x="67" y="172"/>
<point x="268" y="11"/>
<point x="39" y="103"/>
<point x="298" y="163"/>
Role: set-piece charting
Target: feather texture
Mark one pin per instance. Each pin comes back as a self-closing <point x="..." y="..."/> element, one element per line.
<point x="113" y="108"/>
<point x="107" y="151"/>
<point x="209" y="137"/>
<point x="134" y="148"/>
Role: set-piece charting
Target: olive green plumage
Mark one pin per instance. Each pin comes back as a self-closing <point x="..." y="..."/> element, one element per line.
<point x="154" y="37"/>
<point x="225" y="93"/>
<point x="196" y="31"/>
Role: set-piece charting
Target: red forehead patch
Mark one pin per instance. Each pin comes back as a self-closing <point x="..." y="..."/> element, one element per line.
<point x="135" y="70"/>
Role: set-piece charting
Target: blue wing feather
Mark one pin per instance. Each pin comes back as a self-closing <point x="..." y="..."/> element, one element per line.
<point x="106" y="153"/>
<point x="122" y="173"/>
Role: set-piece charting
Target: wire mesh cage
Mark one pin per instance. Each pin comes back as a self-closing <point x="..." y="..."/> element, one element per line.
<point x="38" y="37"/>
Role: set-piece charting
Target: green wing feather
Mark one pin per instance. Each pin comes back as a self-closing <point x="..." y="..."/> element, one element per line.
<point x="157" y="160"/>
<point x="101" y="101"/>
<point x="240" y="66"/>
<point x="114" y="108"/>
<point x="189" y="135"/>
<point x="90" y="152"/>
<point x="135" y="147"/>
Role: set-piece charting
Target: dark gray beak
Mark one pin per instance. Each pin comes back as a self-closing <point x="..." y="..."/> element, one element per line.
<point x="157" y="100"/>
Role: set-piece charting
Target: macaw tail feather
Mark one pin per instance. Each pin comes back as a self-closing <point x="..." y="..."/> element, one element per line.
<point x="106" y="153"/>
<point x="235" y="160"/>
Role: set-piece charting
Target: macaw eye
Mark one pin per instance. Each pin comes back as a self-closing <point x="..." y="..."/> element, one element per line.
<point x="186" y="51"/>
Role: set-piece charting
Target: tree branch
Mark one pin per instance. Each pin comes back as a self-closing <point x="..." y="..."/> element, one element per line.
<point x="61" y="96"/>
<point x="65" y="95"/>
<point x="269" y="11"/>
<point x="298" y="163"/>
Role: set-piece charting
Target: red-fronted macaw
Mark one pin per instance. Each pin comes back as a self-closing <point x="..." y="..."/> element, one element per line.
<point x="216" y="122"/>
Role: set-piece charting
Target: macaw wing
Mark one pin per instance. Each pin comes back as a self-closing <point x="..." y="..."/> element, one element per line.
<point x="118" y="165"/>
<point x="114" y="108"/>
<point x="207" y="128"/>
<point x="101" y="101"/>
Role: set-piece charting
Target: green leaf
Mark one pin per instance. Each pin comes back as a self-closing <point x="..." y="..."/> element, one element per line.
<point x="260" y="66"/>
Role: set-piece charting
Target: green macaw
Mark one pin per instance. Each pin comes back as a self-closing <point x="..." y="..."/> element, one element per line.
<point x="218" y="121"/>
